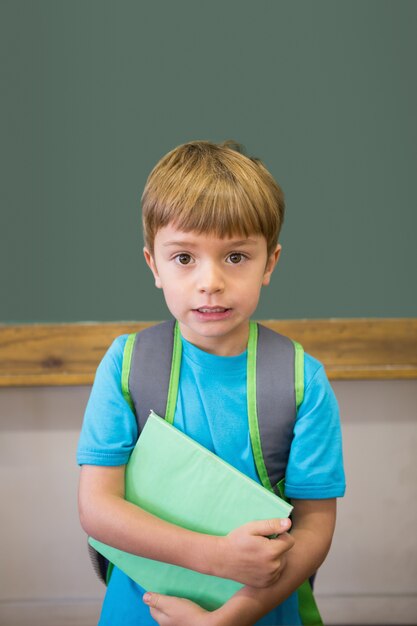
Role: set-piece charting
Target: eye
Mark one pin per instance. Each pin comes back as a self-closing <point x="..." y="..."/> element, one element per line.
<point x="183" y="259"/>
<point x="236" y="257"/>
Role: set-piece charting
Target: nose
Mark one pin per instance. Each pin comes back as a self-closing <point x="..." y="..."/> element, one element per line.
<point x="210" y="279"/>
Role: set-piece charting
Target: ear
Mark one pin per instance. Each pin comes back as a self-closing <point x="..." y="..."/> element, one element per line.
<point x="150" y="261"/>
<point x="271" y="264"/>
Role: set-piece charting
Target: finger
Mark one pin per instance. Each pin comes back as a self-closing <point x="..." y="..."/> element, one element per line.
<point x="269" y="527"/>
<point x="153" y="600"/>
<point x="284" y="542"/>
<point x="158" y="616"/>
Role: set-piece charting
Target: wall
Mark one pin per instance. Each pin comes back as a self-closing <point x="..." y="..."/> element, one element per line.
<point x="370" y="576"/>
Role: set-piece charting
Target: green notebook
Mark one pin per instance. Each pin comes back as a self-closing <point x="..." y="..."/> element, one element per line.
<point x="177" y="479"/>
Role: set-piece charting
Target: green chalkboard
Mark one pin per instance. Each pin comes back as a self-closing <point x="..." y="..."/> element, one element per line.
<point x="94" y="92"/>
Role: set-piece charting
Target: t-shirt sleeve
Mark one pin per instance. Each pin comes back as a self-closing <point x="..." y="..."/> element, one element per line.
<point x="109" y="431"/>
<point x="315" y="465"/>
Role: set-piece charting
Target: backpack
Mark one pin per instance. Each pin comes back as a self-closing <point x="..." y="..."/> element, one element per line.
<point x="275" y="388"/>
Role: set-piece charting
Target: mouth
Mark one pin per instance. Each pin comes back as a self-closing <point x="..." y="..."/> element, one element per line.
<point x="212" y="313"/>
<point x="212" y="309"/>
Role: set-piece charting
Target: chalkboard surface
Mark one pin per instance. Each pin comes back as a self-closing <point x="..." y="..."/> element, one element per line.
<point x="94" y="92"/>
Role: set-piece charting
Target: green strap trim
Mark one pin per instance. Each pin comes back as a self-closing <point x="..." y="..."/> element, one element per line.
<point x="127" y="360"/>
<point x="281" y="489"/>
<point x="299" y="374"/>
<point x="175" y="376"/>
<point x="109" y="572"/>
<point x="307" y="607"/>
<point x="252" y="410"/>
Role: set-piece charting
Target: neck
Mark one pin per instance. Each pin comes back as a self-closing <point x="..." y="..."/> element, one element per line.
<point x="219" y="345"/>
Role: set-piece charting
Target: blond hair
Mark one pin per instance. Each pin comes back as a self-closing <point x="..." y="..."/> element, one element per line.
<point x="214" y="189"/>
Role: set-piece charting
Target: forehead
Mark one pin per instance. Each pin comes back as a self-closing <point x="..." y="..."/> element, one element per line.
<point x="170" y="236"/>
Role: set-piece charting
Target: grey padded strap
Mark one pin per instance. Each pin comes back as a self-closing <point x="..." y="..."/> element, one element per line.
<point x="150" y="370"/>
<point x="275" y="398"/>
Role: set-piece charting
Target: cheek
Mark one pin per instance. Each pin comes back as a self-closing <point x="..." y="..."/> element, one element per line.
<point x="249" y="292"/>
<point x="171" y="293"/>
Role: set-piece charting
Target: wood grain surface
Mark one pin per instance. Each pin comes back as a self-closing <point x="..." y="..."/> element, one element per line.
<point x="68" y="354"/>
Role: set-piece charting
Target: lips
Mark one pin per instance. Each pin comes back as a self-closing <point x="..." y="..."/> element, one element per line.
<point x="212" y="313"/>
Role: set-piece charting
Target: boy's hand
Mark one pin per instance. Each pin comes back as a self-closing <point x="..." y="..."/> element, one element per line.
<point x="248" y="556"/>
<point x="172" y="611"/>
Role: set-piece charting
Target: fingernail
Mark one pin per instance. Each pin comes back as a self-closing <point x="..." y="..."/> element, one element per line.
<point x="284" y="523"/>
<point x="147" y="597"/>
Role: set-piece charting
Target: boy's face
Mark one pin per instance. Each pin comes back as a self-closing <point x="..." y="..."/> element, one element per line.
<point x="211" y="285"/>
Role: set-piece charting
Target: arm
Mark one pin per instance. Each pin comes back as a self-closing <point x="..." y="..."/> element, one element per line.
<point x="245" y="554"/>
<point x="313" y="528"/>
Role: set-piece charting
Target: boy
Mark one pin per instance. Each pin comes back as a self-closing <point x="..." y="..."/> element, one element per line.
<point x="212" y="218"/>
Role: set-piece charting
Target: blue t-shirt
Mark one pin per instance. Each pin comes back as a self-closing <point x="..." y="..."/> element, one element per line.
<point x="212" y="409"/>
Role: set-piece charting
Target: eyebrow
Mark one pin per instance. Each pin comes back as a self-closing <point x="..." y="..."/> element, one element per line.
<point x="190" y="243"/>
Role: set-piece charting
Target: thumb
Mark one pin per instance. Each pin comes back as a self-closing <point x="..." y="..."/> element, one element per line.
<point x="154" y="600"/>
<point x="270" y="527"/>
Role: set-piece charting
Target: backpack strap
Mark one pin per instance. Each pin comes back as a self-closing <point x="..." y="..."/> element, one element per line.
<point x="155" y="351"/>
<point x="307" y="606"/>
<point x="275" y="391"/>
